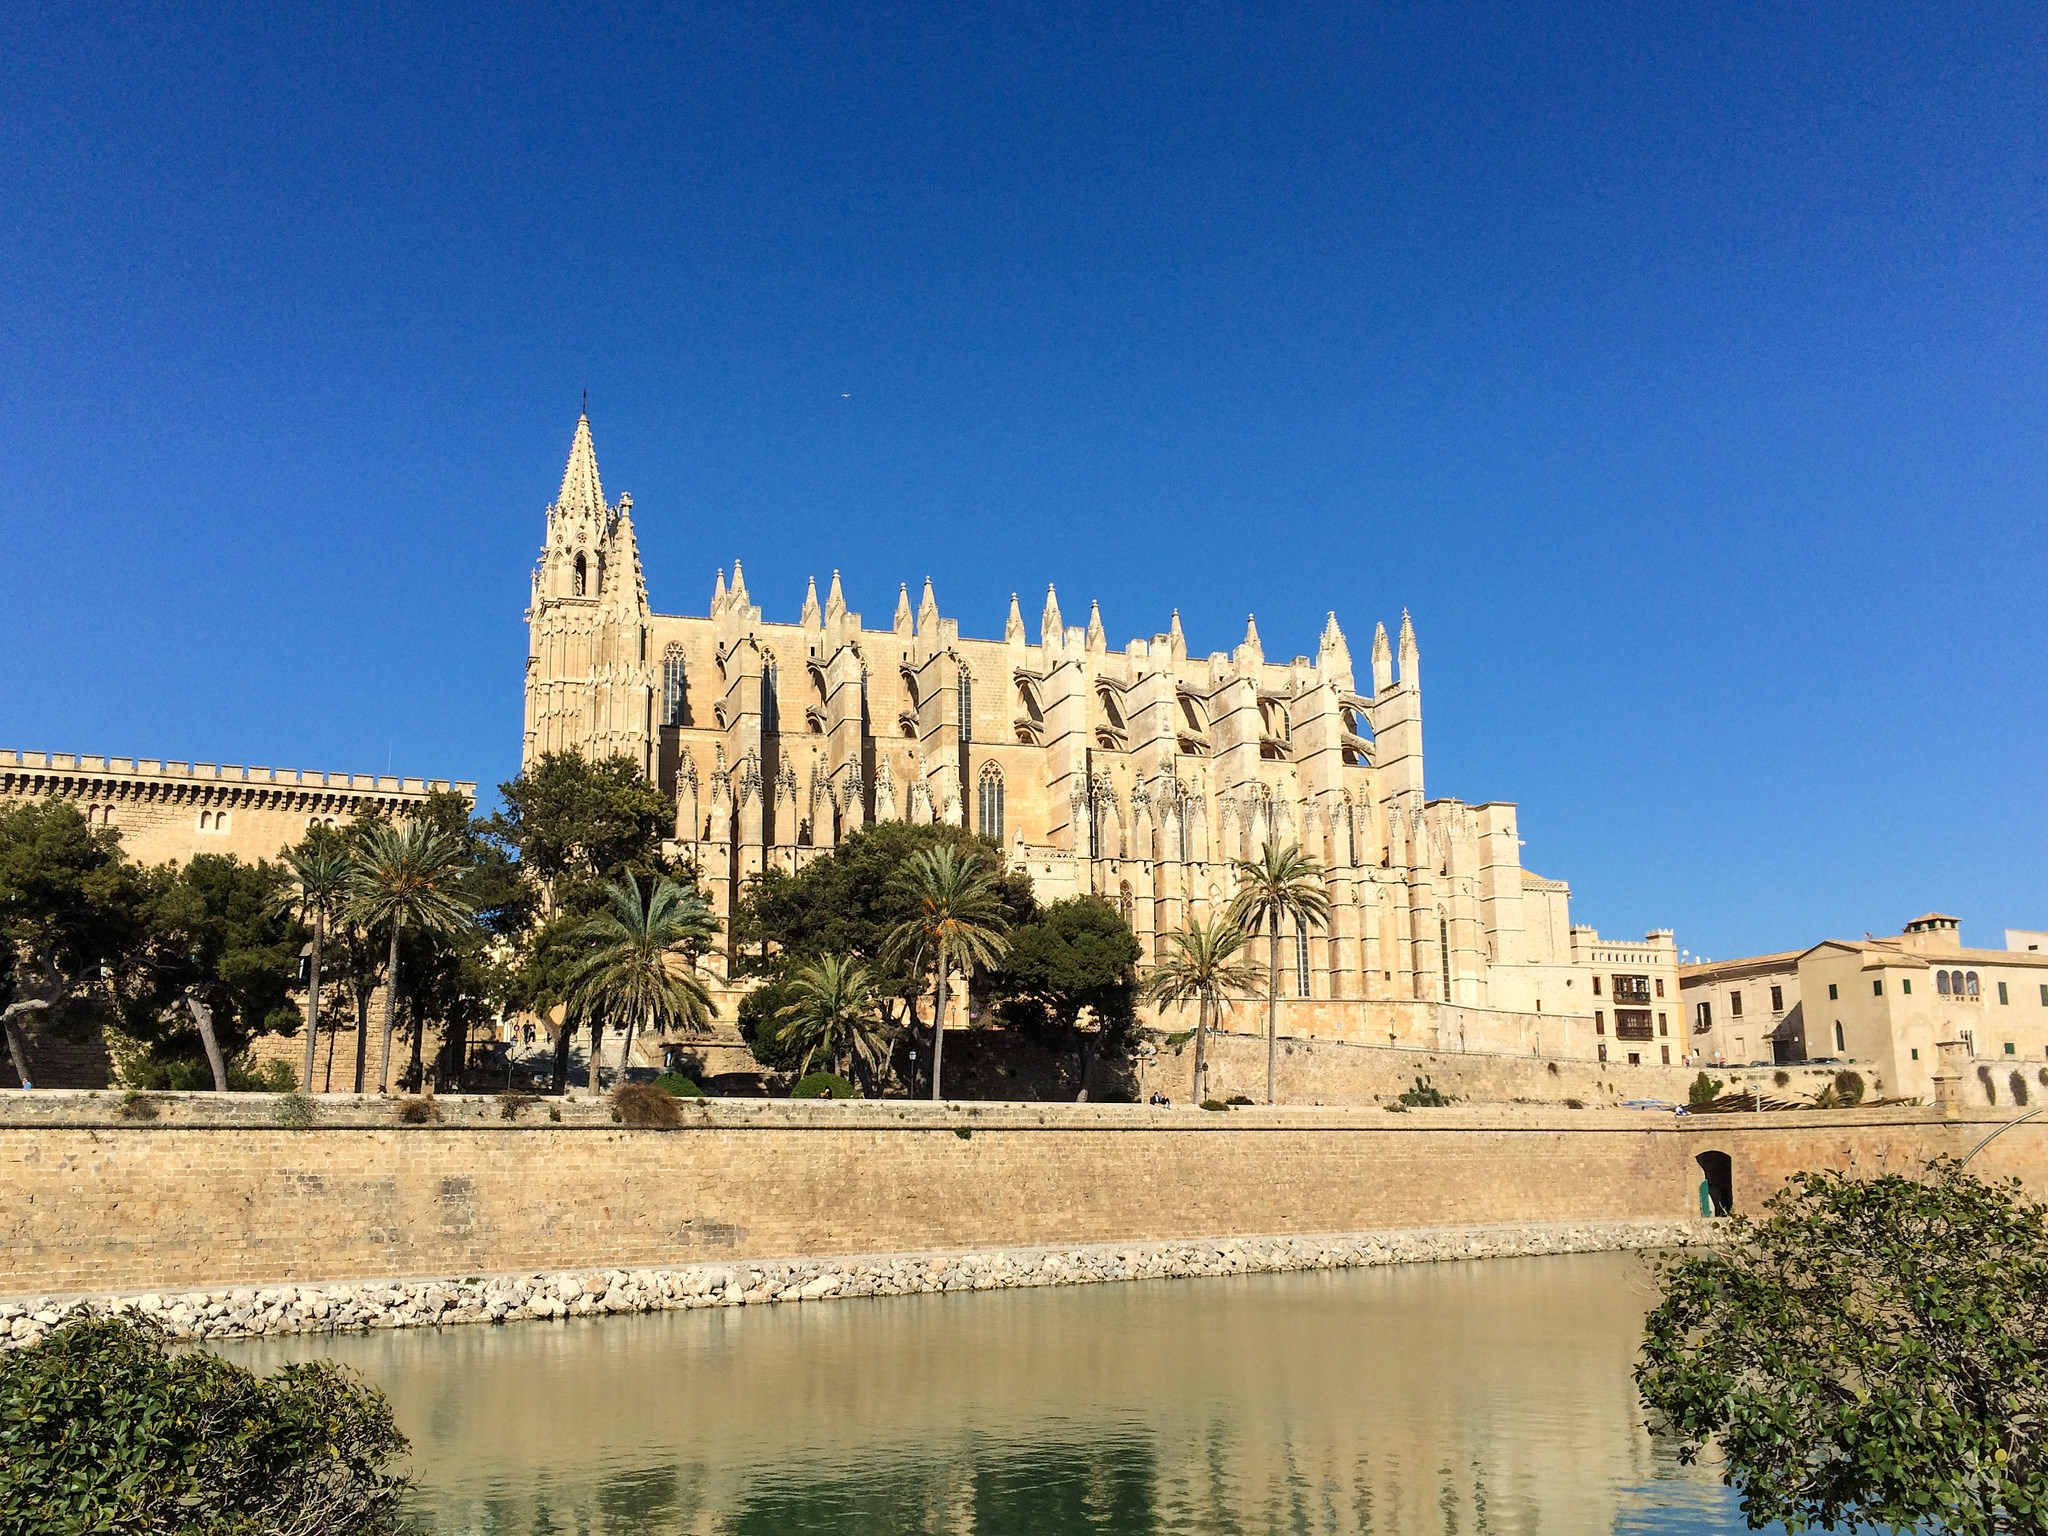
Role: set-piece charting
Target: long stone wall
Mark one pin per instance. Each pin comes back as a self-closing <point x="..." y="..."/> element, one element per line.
<point x="210" y="1193"/>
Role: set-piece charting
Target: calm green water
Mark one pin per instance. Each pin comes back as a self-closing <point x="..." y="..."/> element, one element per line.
<point x="1453" y="1398"/>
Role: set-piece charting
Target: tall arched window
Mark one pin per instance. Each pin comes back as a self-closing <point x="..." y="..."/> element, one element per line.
<point x="771" y="715"/>
<point x="582" y="575"/>
<point x="1443" y="951"/>
<point x="1941" y="982"/>
<point x="1970" y="983"/>
<point x="672" y="685"/>
<point x="1124" y="901"/>
<point x="966" y="706"/>
<point x="990" y="810"/>
<point x="1300" y="958"/>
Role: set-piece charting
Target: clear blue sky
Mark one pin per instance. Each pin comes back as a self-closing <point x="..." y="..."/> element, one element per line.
<point x="1683" y="373"/>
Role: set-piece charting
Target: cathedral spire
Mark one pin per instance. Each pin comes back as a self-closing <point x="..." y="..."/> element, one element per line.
<point x="582" y="491"/>
<point x="739" y="587"/>
<point x="718" y="598"/>
<point x="1251" y="653"/>
<point x="1013" y="627"/>
<point x="811" y="617"/>
<point x="1098" y="640"/>
<point x="928" y="611"/>
<point x="1176" y="641"/>
<point x="902" y="608"/>
<point x="1382" y="661"/>
<point x="1411" y="656"/>
<point x="835" y="602"/>
<point x="1332" y="654"/>
<point x="1049" y="631"/>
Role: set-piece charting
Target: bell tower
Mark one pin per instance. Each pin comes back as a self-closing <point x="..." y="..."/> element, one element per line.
<point x="589" y="682"/>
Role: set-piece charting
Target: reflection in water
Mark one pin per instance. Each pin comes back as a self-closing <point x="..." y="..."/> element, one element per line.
<point x="1450" y="1398"/>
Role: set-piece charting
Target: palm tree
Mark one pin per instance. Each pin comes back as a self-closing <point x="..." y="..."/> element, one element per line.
<point x="316" y="884"/>
<point x="1280" y="885"/>
<point x="406" y="875"/>
<point x="835" y="1014"/>
<point x="959" y="922"/>
<point x="1204" y="968"/>
<point x="643" y="967"/>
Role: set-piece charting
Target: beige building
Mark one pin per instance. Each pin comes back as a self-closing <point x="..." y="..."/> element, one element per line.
<point x="1137" y="772"/>
<point x="170" y="811"/>
<point x="1884" y="1006"/>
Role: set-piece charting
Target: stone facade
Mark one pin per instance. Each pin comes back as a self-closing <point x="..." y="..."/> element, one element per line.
<point x="168" y="811"/>
<point x="1135" y="773"/>
<point x="1885" y="1007"/>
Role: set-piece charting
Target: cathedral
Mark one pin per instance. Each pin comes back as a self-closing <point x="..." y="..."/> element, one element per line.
<point x="1137" y="773"/>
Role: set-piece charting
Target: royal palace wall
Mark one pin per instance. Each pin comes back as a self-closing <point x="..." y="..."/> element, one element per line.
<point x="213" y="1192"/>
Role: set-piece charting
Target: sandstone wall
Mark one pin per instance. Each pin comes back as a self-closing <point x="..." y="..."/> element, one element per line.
<point x="211" y="1194"/>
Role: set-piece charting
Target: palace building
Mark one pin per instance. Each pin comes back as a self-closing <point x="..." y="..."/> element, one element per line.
<point x="1137" y="773"/>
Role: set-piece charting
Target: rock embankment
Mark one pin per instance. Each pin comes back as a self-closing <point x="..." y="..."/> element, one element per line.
<point x="253" y="1311"/>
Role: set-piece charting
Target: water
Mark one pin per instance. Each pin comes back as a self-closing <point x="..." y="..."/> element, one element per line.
<point x="1446" y="1398"/>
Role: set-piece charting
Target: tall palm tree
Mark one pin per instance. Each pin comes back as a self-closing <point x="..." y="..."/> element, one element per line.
<point x="1281" y="885"/>
<point x="408" y="875"/>
<point x="835" y="1014"/>
<point x="316" y="884"/>
<point x="642" y="968"/>
<point x="1202" y="967"/>
<point x="959" y="922"/>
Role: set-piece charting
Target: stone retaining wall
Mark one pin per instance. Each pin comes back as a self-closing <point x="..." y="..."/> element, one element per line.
<point x="250" y="1311"/>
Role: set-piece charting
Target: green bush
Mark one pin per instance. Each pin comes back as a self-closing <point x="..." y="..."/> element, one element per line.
<point x="678" y="1086"/>
<point x="1215" y="1104"/>
<point x="102" y="1428"/>
<point x="418" y="1112"/>
<point x="294" y="1111"/>
<point x="1425" y="1095"/>
<point x="1704" y="1091"/>
<point x="1237" y="1098"/>
<point x="182" y="1074"/>
<point x="1848" y="1088"/>
<point x="824" y="1085"/>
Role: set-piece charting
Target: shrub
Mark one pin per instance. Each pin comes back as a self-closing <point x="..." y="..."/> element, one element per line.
<point x="678" y="1086"/>
<point x="1990" y="1087"/>
<point x="1781" y="1077"/>
<point x="2042" y="1077"/>
<point x="824" y="1085"/>
<point x="294" y="1111"/>
<point x="1704" y="1091"/>
<point x="1849" y="1088"/>
<point x="137" y="1105"/>
<point x="418" y="1112"/>
<point x="1237" y="1098"/>
<point x="1425" y="1095"/>
<point x="645" y="1107"/>
<point x="102" y="1428"/>
<point x="510" y="1104"/>
<point x="554" y="1112"/>
<point x="181" y="1074"/>
<point x="965" y="1133"/>
<point x="1215" y="1104"/>
<point x="2018" y="1083"/>
<point x="1552" y="1069"/>
<point x="1574" y="1103"/>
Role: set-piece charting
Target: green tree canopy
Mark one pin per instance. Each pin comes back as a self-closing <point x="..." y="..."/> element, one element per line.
<point x="849" y="902"/>
<point x="1077" y="955"/>
<point x="70" y="905"/>
<point x="1874" y="1350"/>
<point x="579" y="826"/>
<point x="215" y="931"/>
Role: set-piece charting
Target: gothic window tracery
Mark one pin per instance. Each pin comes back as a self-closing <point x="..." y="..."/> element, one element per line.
<point x="966" y="706"/>
<point x="582" y="575"/>
<point x="989" y="809"/>
<point x="672" y="685"/>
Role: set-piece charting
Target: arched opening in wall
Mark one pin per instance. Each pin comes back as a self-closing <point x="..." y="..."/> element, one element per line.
<point x="1300" y="958"/>
<point x="989" y="807"/>
<point x="1443" y="952"/>
<point x="1717" y="1184"/>
<point x="672" y="685"/>
<point x="1125" y="904"/>
<point x="966" y="707"/>
<point x="582" y="575"/>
